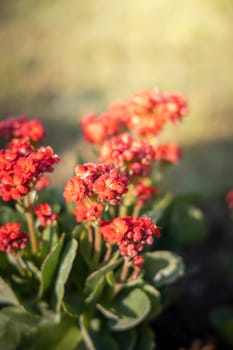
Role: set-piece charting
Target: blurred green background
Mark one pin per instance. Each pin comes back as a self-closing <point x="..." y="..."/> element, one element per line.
<point x="61" y="59"/>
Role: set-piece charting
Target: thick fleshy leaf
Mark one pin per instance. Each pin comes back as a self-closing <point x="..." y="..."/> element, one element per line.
<point x="65" y="266"/>
<point x="85" y="333"/>
<point x="126" y="340"/>
<point x="93" y="279"/>
<point x="162" y="267"/>
<point x="26" y="288"/>
<point x="146" y="339"/>
<point x="20" y="330"/>
<point x="154" y="296"/>
<point x="94" y="296"/>
<point x="58" y="335"/>
<point x="188" y="224"/>
<point x="128" y="309"/>
<point x="96" y="336"/>
<point x="50" y="266"/>
<point x="73" y="303"/>
<point x="85" y="248"/>
<point x="15" y="327"/>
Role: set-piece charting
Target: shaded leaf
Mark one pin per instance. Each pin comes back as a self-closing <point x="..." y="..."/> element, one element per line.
<point x="188" y="224"/>
<point x="128" y="309"/>
<point x="50" y="266"/>
<point x="154" y="296"/>
<point x="66" y="263"/>
<point x="96" y="275"/>
<point x="162" y="267"/>
<point x="96" y="293"/>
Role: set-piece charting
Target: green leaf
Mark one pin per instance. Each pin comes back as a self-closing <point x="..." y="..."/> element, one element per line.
<point x="86" y="336"/>
<point x="126" y="340"/>
<point x="145" y="339"/>
<point x="154" y="296"/>
<point x="96" y="293"/>
<point x="188" y="224"/>
<point x="58" y="336"/>
<point x="128" y="309"/>
<point x="96" y="335"/>
<point x="66" y="263"/>
<point x="73" y="303"/>
<point x="20" y="330"/>
<point x="49" y="240"/>
<point x="15" y="327"/>
<point x="162" y="267"/>
<point x="50" y="266"/>
<point x="93" y="279"/>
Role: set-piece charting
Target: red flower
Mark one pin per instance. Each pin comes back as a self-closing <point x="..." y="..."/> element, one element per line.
<point x="11" y="238"/>
<point x="75" y="190"/>
<point x="135" y="156"/>
<point x="21" y="167"/>
<point x="144" y="192"/>
<point x="88" y="210"/>
<point x="130" y="234"/>
<point x="45" y="215"/>
<point x="114" y="231"/>
<point x="169" y="153"/>
<point x="149" y="110"/>
<point x="96" y="129"/>
<point x="22" y="128"/>
<point x="98" y="182"/>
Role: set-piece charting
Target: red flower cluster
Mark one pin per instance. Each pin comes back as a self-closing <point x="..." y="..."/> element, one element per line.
<point x="144" y="192"/>
<point x="99" y="183"/>
<point x="144" y="114"/>
<point x="11" y="238"/>
<point x="88" y="210"/>
<point x="96" y="129"/>
<point x="22" y="128"/>
<point x="130" y="234"/>
<point x="133" y="155"/>
<point x="149" y="110"/>
<point x="21" y="166"/>
<point x="169" y="153"/>
<point x="229" y="199"/>
<point x="45" y="214"/>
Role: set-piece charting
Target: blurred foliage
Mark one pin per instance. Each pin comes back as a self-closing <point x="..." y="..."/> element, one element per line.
<point x="61" y="59"/>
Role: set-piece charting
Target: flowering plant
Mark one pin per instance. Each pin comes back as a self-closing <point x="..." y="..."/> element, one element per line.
<point x="84" y="267"/>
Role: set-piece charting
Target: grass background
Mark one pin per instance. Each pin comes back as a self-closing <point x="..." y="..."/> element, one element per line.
<point x="61" y="59"/>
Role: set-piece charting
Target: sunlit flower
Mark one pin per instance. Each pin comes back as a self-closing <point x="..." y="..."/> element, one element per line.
<point x="169" y="153"/>
<point x="130" y="234"/>
<point x="133" y="155"/>
<point x="45" y="214"/>
<point x="22" y="128"/>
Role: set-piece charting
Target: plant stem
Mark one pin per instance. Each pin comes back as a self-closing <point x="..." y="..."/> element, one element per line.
<point x="97" y="244"/>
<point x="30" y="223"/>
<point x="108" y="252"/>
<point x="123" y="210"/>
<point x="124" y="270"/>
<point x="136" y="210"/>
<point x="89" y="235"/>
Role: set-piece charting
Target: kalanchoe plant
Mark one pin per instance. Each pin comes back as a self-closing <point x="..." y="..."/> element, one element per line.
<point x="86" y="272"/>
